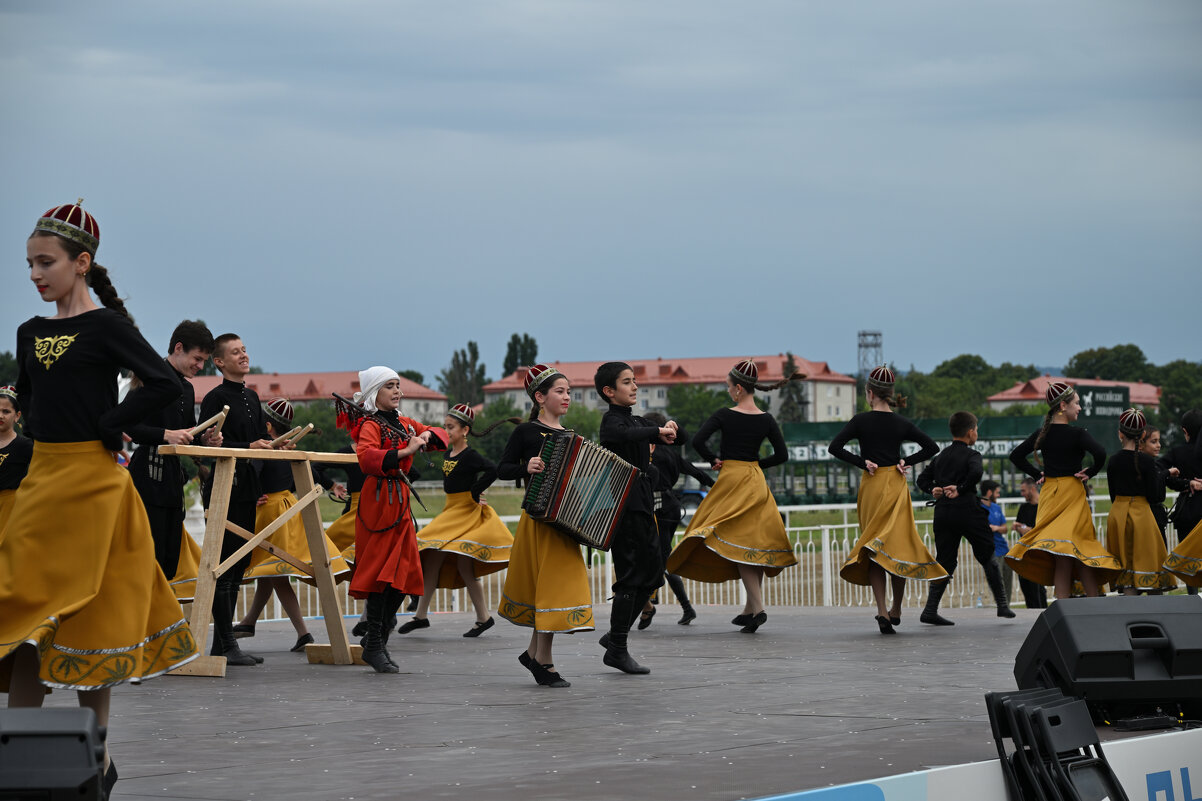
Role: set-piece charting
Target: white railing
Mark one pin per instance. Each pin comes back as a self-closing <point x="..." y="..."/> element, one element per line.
<point x="821" y="550"/>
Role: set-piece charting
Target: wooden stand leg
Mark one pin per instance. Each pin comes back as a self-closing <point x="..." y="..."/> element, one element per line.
<point x="206" y="574"/>
<point x="302" y="475"/>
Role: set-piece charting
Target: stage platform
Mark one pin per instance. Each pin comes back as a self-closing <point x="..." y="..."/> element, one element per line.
<point x="816" y="697"/>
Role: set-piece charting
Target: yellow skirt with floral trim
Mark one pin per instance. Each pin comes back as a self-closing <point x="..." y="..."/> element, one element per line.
<point x="1185" y="561"/>
<point x="888" y="535"/>
<point x="546" y="587"/>
<point x="470" y="529"/>
<point x="78" y="577"/>
<point x="183" y="583"/>
<point x="736" y="523"/>
<point x="1063" y="527"/>
<point x="342" y="531"/>
<point x="7" y="498"/>
<point x="1134" y="538"/>
<point x="291" y="538"/>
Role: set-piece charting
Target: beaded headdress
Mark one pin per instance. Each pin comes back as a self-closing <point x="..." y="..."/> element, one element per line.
<point x="536" y="376"/>
<point x="8" y="392"/>
<point x="71" y="222"/>
<point x="463" y="413"/>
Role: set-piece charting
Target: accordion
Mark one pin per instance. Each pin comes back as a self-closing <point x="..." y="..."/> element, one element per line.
<point x="582" y="491"/>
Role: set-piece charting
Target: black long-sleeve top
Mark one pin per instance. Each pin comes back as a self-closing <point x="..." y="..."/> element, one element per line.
<point x="467" y="471"/>
<point x="958" y="464"/>
<point x="160" y="479"/>
<point x="669" y="464"/>
<point x="354" y="476"/>
<point x="742" y="435"/>
<point x="1064" y="449"/>
<point x="275" y="475"/>
<point x="14" y="462"/>
<point x="67" y="377"/>
<point x="1123" y="479"/>
<point x="243" y="425"/>
<point x="629" y="437"/>
<point x="1185" y="459"/>
<point x="524" y="444"/>
<point x="881" y="435"/>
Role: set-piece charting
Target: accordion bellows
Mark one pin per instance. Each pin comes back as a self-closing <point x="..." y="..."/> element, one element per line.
<point x="583" y="490"/>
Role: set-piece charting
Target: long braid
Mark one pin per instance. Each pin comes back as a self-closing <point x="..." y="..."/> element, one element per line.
<point x="797" y="376"/>
<point x="534" y="409"/>
<point x="472" y="432"/>
<point x="1043" y="429"/>
<point x="98" y="279"/>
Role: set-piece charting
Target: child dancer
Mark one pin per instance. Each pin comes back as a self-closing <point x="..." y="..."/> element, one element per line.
<point x="387" y="565"/>
<point x="1185" y="561"/>
<point x="546" y="587"/>
<point x="1149" y="443"/>
<point x="83" y="604"/>
<point x="737" y="531"/>
<point x="15" y="452"/>
<point x="669" y="465"/>
<point x="1063" y="545"/>
<point x="270" y="573"/>
<point x="1131" y="530"/>
<point x="889" y="542"/>
<point x="466" y="540"/>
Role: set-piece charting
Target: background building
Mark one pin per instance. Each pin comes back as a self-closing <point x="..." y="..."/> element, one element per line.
<point x="1116" y="394"/>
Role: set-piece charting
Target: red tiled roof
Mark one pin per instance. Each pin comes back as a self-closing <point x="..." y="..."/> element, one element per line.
<point x="706" y="370"/>
<point x="1033" y="391"/>
<point x="309" y="386"/>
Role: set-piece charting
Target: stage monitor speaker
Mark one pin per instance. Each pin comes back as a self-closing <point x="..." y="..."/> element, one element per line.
<point x="1119" y="653"/>
<point x="50" y="754"/>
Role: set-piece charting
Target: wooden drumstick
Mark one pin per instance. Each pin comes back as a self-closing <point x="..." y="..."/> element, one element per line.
<point x="218" y="418"/>
<point x="281" y="439"/>
<point x="225" y="410"/>
<point x="304" y="431"/>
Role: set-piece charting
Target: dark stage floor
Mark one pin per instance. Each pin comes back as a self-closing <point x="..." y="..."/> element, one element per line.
<point x="817" y="697"/>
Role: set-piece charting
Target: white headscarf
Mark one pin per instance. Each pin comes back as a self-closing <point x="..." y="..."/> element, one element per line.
<point x="370" y="381"/>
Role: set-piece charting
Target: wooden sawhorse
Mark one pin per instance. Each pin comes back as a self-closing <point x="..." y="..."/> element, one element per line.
<point x="217" y="525"/>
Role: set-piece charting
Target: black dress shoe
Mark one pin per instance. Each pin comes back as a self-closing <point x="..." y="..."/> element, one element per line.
<point x="360" y="629"/>
<point x="236" y="656"/>
<point x="757" y="620"/>
<point x="623" y="661"/>
<point x="885" y="626"/>
<point x="244" y="630"/>
<point x="547" y="677"/>
<point x="110" y="778"/>
<point x="742" y="620"/>
<point x="688" y="617"/>
<point x="479" y="627"/>
<point x="895" y="621"/>
<point x="414" y="625"/>
<point x="645" y="618"/>
<point x="301" y="642"/>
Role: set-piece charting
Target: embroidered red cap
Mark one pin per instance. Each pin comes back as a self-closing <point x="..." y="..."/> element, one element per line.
<point x="1132" y="422"/>
<point x="882" y="377"/>
<point x="535" y="377"/>
<point x="463" y="413"/>
<point x="279" y="410"/>
<point x="745" y="371"/>
<point x="1058" y="391"/>
<point x="71" y="222"/>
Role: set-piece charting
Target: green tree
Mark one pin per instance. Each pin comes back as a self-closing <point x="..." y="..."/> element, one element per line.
<point x="584" y="421"/>
<point x="522" y="351"/>
<point x="1180" y="390"/>
<point x="412" y="375"/>
<point x="463" y="381"/>
<point x="8" y="369"/>
<point x="690" y="405"/>
<point x="493" y="445"/>
<point x="792" y="396"/>
<point x="1120" y="363"/>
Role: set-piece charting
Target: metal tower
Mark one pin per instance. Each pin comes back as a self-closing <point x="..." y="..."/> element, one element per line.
<point x="870" y="352"/>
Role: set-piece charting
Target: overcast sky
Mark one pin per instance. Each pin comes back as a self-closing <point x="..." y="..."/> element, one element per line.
<point x="378" y="182"/>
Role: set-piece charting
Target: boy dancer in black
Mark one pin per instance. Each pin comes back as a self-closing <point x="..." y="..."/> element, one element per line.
<point x="669" y="465"/>
<point x="638" y="563"/>
<point x="1036" y="595"/>
<point x="245" y="427"/>
<point x="160" y="479"/>
<point x="952" y="478"/>
<point x="1187" y="480"/>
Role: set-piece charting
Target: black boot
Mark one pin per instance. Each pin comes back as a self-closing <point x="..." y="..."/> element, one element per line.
<point x="930" y="613"/>
<point x="993" y="577"/>
<point x="677" y="585"/>
<point x="373" y="641"/>
<point x="224" y="642"/>
<point x="393" y="598"/>
<point x="625" y="608"/>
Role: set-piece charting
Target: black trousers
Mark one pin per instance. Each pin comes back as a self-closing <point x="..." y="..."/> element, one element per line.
<point x="636" y="551"/>
<point x="955" y="522"/>
<point x="667" y="520"/>
<point x="241" y="513"/>
<point x="167" y="529"/>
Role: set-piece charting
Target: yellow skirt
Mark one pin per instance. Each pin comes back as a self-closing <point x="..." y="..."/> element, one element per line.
<point x="342" y="531"/>
<point x="888" y="535"/>
<point x="7" y="497"/>
<point x="1185" y="561"/>
<point x="1134" y="537"/>
<point x="1063" y="527"/>
<point x="291" y="538"/>
<point x="546" y="587"/>
<point x="184" y="581"/>
<point x="470" y="529"/>
<point x="78" y="578"/>
<point x="736" y="523"/>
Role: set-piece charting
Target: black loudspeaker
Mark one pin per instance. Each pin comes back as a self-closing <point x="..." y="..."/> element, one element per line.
<point x="1122" y="654"/>
<point x="50" y="754"/>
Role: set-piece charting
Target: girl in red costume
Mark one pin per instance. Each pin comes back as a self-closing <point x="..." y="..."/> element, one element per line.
<point x="387" y="564"/>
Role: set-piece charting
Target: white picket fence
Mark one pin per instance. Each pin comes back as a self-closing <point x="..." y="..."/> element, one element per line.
<point x="814" y="581"/>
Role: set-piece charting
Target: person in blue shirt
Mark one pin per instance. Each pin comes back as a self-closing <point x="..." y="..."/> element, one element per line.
<point x="990" y="492"/>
